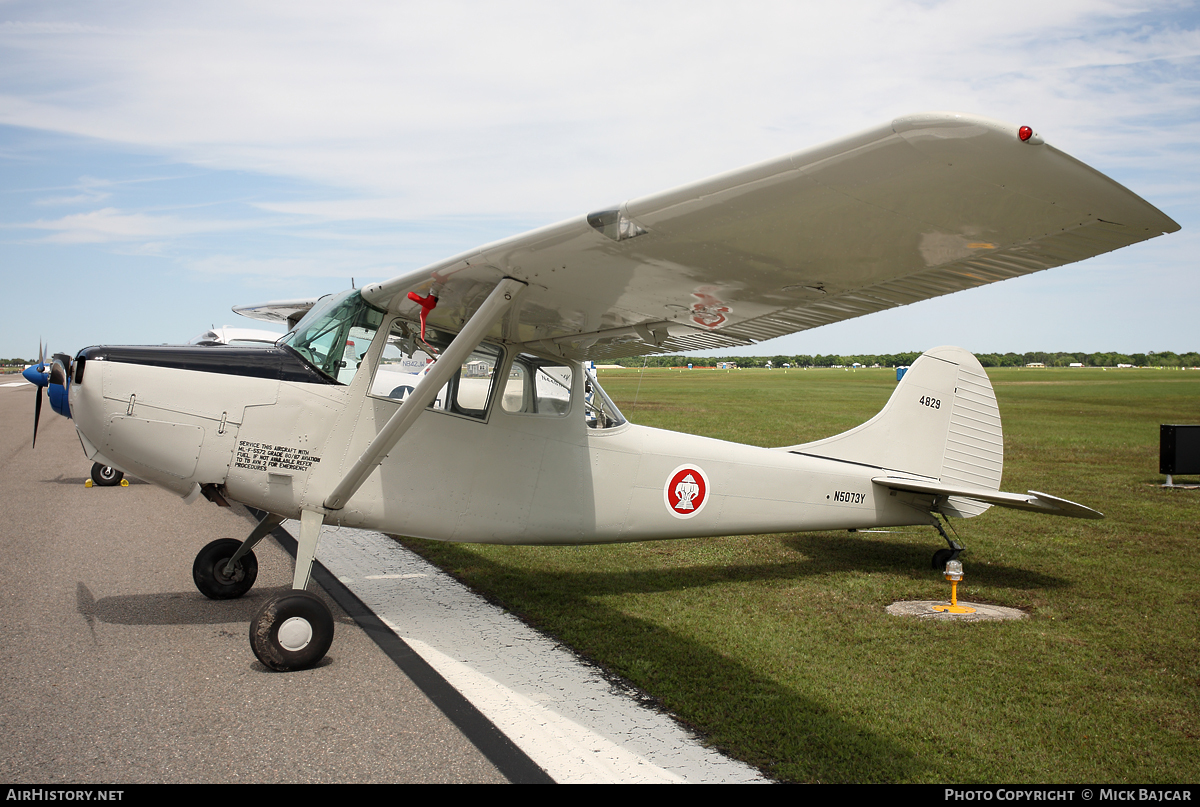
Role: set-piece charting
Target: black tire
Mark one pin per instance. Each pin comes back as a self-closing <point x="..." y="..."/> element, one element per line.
<point x="941" y="558"/>
<point x="208" y="571"/>
<point x="105" y="476"/>
<point x="307" y="625"/>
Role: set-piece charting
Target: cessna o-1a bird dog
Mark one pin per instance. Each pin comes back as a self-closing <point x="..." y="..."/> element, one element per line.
<point x="507" y="437"/>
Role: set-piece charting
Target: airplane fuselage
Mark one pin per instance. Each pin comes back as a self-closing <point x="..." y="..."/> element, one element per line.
<point x="261" y="429"/>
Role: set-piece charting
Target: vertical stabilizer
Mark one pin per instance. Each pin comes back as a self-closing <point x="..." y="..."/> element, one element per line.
<point x="941" y="423"/>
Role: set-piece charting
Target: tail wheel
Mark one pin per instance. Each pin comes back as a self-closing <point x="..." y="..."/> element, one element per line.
<point x="941" y="558"/>
<point x="106" y="476"/>
<point x="208" y="571"/>
<point x="292" y="632"/>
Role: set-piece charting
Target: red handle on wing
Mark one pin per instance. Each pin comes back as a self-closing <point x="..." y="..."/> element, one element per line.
<point x="427" y="303"/>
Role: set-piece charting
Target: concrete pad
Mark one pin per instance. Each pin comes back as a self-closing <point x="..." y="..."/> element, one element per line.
<point x="923" y="609"/>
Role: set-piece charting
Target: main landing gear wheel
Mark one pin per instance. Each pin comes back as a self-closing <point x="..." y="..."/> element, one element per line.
<point x="292" y="631"/>
<point x="105" y="476"/>
<point x="208" y="571"/>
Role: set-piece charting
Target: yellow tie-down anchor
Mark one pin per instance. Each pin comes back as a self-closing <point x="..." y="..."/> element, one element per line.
<point x="89" y="483"/>
<point x="954" y="573"/>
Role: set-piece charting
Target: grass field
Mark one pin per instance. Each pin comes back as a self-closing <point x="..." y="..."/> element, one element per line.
<point x="777" y="648"/>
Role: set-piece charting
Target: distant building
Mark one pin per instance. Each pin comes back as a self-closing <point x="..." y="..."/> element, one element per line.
<point x="478" y="369"/>
<point x="1035" y="364"/>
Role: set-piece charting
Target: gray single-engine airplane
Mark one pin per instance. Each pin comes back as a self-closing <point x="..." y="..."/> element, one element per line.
<point x="455" y="402"/>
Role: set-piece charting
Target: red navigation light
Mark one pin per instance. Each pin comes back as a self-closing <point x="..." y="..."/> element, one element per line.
<point x="1024" y="133"/>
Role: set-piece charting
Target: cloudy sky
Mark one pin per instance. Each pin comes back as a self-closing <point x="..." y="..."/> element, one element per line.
<point x="163" y="161"/>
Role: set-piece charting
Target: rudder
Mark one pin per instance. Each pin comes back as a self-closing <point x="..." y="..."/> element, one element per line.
<point x="942" y="423"/>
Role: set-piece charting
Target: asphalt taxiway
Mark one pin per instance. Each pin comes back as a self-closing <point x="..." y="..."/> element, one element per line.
<point x="117" y="670"/>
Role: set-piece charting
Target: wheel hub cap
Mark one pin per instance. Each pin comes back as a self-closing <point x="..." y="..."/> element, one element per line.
<point x="295" y="634"/>
<point x="231" y="577"/>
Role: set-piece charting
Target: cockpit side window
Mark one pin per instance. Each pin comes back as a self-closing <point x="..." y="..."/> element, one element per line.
<point x="405" y="360"/>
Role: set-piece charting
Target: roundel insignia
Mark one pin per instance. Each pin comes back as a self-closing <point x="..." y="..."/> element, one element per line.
<point x="686" y="491"/>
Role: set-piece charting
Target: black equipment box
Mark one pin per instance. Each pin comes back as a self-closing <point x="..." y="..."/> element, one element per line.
<point x="1178" y="449"/>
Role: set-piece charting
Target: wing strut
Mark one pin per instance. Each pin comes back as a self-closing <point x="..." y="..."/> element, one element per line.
<point x="414" y="404"/>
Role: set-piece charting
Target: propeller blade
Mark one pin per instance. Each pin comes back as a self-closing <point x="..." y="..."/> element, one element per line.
<point x="39" y="376"/>
<point x="37" y="415"/>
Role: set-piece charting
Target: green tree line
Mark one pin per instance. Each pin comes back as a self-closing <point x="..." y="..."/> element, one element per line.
<point x="1165" y="359"/>
<point x="1151" y="359"/>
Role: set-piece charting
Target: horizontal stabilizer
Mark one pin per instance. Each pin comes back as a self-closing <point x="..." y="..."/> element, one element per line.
<point x="1033" y="500"/>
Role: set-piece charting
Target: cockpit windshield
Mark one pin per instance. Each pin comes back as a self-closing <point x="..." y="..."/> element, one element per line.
<point x="335" y="334"/>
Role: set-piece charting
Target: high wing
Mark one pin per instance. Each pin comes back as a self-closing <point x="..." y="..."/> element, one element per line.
<point x="924" y="206"/>
<point x="285" y="311"/>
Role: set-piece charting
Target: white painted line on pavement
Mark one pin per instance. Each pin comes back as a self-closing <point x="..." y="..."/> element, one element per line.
<point x="560" y="711"/>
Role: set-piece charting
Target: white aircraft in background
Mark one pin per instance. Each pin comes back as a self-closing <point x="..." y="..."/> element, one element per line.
<point x="505" y="437"/>
<point x="236" y="336"/>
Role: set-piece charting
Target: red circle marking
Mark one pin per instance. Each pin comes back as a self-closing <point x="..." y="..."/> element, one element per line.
<point x="686" y="491"/>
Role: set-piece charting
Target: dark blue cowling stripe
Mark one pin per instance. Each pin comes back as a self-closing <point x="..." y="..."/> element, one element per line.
<point x="277" y="363"/>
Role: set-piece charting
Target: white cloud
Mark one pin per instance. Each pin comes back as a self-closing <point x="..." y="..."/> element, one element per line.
<point x="466" y="107"/>
<point x="369" y="138"/>
<point x="91" y="191"/>
<point x="109" y="224"/>
<point x="236" y="265"/>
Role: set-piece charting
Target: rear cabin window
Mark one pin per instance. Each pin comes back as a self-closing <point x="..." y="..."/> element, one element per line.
<point x="537" y="386"/>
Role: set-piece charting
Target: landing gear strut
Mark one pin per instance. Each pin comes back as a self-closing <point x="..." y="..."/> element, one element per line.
<point x="944" y="556"/>
<point x="295" y="630"/>
<point x="292" y="631"/>
<point x="226" y="569"/>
